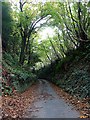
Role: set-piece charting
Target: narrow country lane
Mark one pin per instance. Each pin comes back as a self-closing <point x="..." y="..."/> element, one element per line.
<point x="49" y="105"/>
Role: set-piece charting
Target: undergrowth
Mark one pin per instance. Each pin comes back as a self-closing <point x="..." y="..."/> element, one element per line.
<point x="71" y="73"/>
<point x="14" y="76"/>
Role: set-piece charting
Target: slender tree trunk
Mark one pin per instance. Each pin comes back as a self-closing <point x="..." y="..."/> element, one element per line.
<point x="29" y="57"/>
<point x="61" y="45"/>
<point x="22" y="53"/>
<point x="83" y="36"/>
<point x="46" y="53"/>
<point x="30" y="42"/>
<point x="54" y="49"/>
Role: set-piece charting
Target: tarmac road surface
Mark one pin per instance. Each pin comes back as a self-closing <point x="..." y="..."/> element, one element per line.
<point x="49" y="105"/>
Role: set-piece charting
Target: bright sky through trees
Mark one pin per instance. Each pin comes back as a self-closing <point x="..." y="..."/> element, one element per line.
<point x="47" y="32"/>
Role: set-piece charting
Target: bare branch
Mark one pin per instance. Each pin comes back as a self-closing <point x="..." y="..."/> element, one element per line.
<point x="24" y="3"/>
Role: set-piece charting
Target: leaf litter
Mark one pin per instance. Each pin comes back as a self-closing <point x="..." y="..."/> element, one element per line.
<point x="82" y="106"/>
<point x="15" y="106"/>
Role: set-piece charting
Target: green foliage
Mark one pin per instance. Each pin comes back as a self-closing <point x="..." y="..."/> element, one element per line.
<point x="71" y="73"/>
<point x="24" y="50"/>
<point x="17" y="76"/>
<point x="7" y="23"/>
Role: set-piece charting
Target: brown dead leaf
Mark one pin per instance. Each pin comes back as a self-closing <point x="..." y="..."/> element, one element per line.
<point x="15" y="106"/>
<point x="82" y="105"/>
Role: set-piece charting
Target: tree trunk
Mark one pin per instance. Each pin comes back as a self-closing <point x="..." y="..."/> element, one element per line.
<point x="82" y="34"/>
<point x="54" y="49"/>
<point x="47" y="53"/>
<point x="22" y="53"/>
<point x="29" y="57"/>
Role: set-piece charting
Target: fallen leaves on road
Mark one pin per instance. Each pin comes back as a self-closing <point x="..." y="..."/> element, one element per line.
<point x="46" y="96"/>
<point x="82" y="106"/>
<point x="14" y="106"/>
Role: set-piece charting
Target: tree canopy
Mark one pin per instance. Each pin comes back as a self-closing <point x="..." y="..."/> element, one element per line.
<point x="70" y="21"/>
<point x="67" y="26"/>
